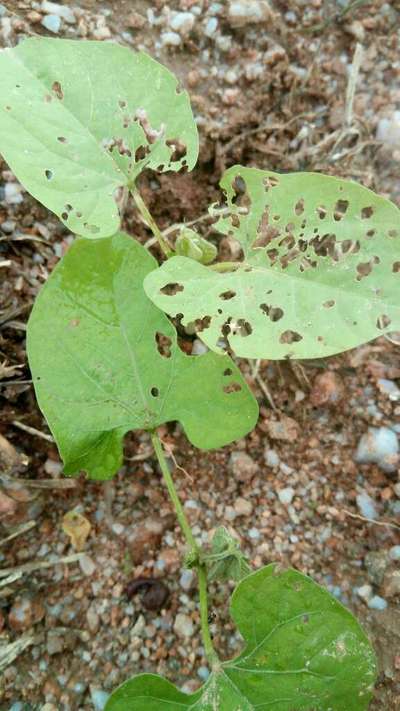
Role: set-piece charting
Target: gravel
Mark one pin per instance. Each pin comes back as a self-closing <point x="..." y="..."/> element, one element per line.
<point x="379" y="446"/>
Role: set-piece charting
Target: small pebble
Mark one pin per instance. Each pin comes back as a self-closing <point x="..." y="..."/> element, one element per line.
<point x="271" y="458"/>
<point x="378" y="446"/>
<point x="286" y="495"/>
<point x="377" y="603"/>
<point x="364" y="592"/>
<point x="211" y="27"/>
<point x="13" y="193"/>
<point x="99" y="698"/>
<point x="366" y="506"/>
<point x="86" y="564"/>
<point x="63" y="11"/>
<point x="187" y="579"/>
<point x="388" y="129"/>
<point x="170" y="39"/>
<point x="183" y="625"/>
<point x="52" y="23"/>
<point x="182" y="22"/>
<point x="243" y="507"/>
<point x="394" y="553"/>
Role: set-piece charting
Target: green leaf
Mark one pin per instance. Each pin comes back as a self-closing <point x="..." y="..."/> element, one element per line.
<point x="104" y="361"/>
<point x="78" y="120"/>
<point x="226" y="561"/>
<point x="192" y="245"/>
<point x="303" y="652"/>
<point x="320" y="275"/>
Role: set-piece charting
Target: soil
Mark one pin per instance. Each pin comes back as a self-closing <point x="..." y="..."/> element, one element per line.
<point x="273" y="95"/>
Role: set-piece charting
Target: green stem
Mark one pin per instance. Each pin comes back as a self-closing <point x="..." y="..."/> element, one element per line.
<point x="209" y="650"/>
<point x="194" y="549"/>
<point x="183" y="522"/>
<point x="150" y="222"/>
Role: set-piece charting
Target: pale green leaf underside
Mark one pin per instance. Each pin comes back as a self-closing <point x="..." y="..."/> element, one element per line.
<point x="73" y="115"/>
<point x="321" y="270"/>
<point x="304" y="652"/>
<point x="104" y="360"/>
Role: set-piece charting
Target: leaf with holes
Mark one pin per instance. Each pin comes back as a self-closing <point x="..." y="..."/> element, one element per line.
<point x="78" y="120"/>
<point x="303" y="652"/>
<point x="320" y="271"/>
<point x="104" y="361"/>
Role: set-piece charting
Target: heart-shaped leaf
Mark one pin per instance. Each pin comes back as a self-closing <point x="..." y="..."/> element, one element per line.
<point x="321" y="269"/>
<point x="104" y="361"/>
<point x="304" y="652"/>
<point x="80" y="119"/>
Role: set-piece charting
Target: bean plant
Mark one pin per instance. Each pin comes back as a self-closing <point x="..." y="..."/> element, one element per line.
<point x="319" y="273"/>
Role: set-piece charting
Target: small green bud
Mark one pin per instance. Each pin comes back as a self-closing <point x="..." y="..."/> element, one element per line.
<point x="192" y="245"/>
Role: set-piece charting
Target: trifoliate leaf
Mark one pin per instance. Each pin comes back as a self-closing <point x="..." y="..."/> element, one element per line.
<point x="320" y="271"/>
<point x="79" y="119"/>
<point x="105" y="360"/>
<point x="303" y="652"/>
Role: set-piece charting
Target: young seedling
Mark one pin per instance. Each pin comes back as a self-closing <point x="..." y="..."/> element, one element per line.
<point x="319" y="274"/>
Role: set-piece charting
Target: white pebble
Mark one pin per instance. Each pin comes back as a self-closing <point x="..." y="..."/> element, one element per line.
<point x="52" y="23"/>
<point x="366" y="506"/>
<point x="388" y="129"/>
<point x="186" y="579"/>
<point x="271" y="458"/>
<point x="86" y="564"/>
<point x="394" y="553"/>
<point x="377" y="603"/>
<point x="286" y="495"/>
<point x="379" y="446"/>
<point x="182" y="22"/>
<point x="13" y="193"/>
<point x="183" y="625"/>
<point x="53" y="8"/>
<point x="170" y="39"/>
<point x="211" y="27"/>
<point x="364" y="592"/>
<point x="99" y="698"/>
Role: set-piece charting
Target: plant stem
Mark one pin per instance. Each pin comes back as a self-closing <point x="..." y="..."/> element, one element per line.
<point x="150" y="222"/>
<point x="194" y="549"/>
<point x="209" y="650"/>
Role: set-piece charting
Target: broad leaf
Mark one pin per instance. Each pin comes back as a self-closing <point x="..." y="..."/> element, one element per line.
<point x="104" y="361"/>
<point x="320" y="273"/>
<point x="303" y="652"/>
<point x="80" y="119"/>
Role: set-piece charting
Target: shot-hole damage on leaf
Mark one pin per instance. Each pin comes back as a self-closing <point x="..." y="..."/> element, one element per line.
<point x="122" y="369"/>
<point x="164" y="344"/>
<point x="303" y="237"/>
<point x="290" y="337"/>
<point x="70" y="87"/>
<point x="383" y="322"/>
<point x="57" y="88"/>
<point x="172" y="289"/>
